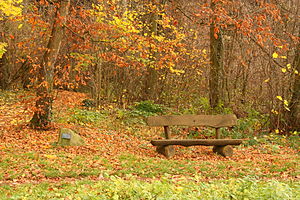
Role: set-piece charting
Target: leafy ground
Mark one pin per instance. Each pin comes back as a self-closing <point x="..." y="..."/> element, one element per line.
<point x="31" y="166"/>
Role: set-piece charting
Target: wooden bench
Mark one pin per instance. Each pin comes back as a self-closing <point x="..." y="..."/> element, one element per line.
<point x="221" y="146"/>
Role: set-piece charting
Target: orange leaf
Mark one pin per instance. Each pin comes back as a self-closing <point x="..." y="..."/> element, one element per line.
<point x="216" y="35"/>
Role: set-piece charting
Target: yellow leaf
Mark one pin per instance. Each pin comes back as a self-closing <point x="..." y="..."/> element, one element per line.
<point x="14" y="122"/>
<point x="277" y="131"/>
<point x="20" y="26"/>
<point x="280" y="47"/>
<point x="279" y="97"/>
<point x="267" y="80"/>
<point x="275" y="55"/>
<point x="11" y="7"/>
<point x="296" y="72"/>
<point x="284" y="57"/>
<point x="46" y="146"/>
<point x="287" y="108"/>
<point x="288" y="66"/>
<point x="50" y="156"/>
<point x="2" y="48"/>
<point x="286" y="102"/>
<point x="283" y="70"/>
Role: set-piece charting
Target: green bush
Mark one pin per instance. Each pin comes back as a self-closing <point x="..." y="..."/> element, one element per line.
<point x="202" y="105"/>
<point x="249" y="127"/>
<point x="88" y="103"/>
<point x="147" y="108"/>
<point x="136" y="113"/>
<point x="80" y="116"/>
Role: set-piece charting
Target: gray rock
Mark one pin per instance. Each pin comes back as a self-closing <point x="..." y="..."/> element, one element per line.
<point x="68" y="137"/>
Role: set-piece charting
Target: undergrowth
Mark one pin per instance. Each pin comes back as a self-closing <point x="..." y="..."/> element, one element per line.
<point x="112" y="187"/>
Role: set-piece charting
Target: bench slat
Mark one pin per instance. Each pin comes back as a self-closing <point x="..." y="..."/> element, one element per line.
<point x="214" y="121"/>
<point x="194" y="142"/>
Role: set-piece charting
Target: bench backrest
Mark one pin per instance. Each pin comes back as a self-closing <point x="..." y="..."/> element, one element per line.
<point x="214" y="121"/>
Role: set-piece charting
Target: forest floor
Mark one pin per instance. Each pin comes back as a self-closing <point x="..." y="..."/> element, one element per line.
<point x="28" y="156"/>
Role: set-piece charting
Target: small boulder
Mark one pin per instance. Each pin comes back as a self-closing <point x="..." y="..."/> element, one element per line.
<point x="68" y="137"/>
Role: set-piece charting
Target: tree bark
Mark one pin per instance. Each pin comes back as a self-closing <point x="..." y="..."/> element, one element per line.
<point x="151" y="79"/>
<point x="216" y="63"/>
<point x="294" y="113"/>
<point x="5" y="72"/>
<point x="42" y="115"/>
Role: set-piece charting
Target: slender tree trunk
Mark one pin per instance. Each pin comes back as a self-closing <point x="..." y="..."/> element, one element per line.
<point x="98" y="82"/>
<point x="151" y="74"/>
<point x="5" y="65"/>
<point x="294" y="114"/>
<point x="151" y="78"/>
<point x="216" y="66"/>
<point x="42" y="116"/>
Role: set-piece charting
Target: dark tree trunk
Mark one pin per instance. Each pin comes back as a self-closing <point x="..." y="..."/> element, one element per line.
<point x="151" y="79"/>
<point x="5" y="72"/>
<point x="216" y="66"/>
<point x="42" y="116"/>
<point x="294" y="113"/>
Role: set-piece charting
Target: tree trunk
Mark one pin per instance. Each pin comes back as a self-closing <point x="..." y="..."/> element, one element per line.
<point x="294" y="114"/>
<point x="5" y="72"/>
<point x="42" y="115"/>
<point x="216" y="66"/>
<point x="151" y="78"/>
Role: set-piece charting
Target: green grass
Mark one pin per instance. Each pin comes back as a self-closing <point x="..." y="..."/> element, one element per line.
<point x="112" y="187"/>
<point x="151" y="167"/>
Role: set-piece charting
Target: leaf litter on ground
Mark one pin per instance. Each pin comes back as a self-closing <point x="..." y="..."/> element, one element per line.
<point x="28" y="155"/>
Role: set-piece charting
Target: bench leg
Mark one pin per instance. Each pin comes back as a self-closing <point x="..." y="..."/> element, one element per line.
<point x="225" y="151"/>
<point x="167" y="151"/>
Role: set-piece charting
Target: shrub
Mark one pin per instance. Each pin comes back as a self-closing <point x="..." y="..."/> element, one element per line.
<point x="82" y="117"/>
<point x="147" y="108"/>
<point x="140" y="110"/>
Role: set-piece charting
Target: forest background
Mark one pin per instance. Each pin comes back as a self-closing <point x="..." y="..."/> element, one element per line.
<point x="196" y="56"/>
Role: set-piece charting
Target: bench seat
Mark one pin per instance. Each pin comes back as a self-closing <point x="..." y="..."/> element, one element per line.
<point x="194" y="142"/>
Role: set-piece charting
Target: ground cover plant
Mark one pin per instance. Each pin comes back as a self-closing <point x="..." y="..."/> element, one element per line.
<point x="132" y="188"/>
<point x="119" y="162"/>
